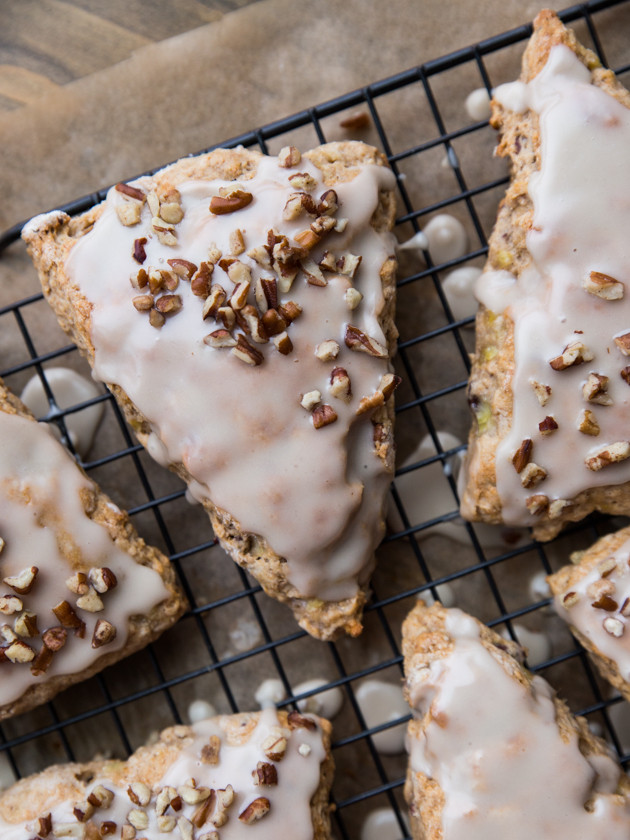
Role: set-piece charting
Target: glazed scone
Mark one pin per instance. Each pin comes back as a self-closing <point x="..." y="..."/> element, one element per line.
<point x="493" y="752"/>
<point x="254" y="775"/>
<point x="550" y="382"/>
<point x="81" y="589"/>
<point x="593" y="596"/>
<point x="251" y="350"/>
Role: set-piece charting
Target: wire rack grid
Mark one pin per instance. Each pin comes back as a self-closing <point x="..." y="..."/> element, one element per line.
<point x="232" y="637"/>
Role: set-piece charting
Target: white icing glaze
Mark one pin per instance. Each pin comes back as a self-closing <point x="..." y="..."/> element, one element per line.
<point x="43" y="523"/>
<point x="512" y="96"/>
<point x="381" y="824"/>
<point x="289" y="814"/>
<point x="538" y="587"/>
<point x="536" y="643"/>
<point x="589" y="620"/>
<point x="581" y="218"/>
<point x="493" y="746"/>
<point x="200" y="710"/>
<point x="315" y="495"/>
<point x="458" y="287"/>
<point x="381" y="702"/>
<point x="326" y="703"/>
<point x="445" y="593"/>
<point x="269" y="693"/>
<point x="478" y="104"/>
<point x="418" y="242"/>
<point x="69" y="388"/>
<point x="447" y="238"/>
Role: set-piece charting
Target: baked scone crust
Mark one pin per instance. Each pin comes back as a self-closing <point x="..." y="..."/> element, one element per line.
<point x="51" y="240"/>
<point x="424" y="640"/>
<point x="490" y="393"/>
<point x="37" y="795"/>
<point x="143" y="629"/>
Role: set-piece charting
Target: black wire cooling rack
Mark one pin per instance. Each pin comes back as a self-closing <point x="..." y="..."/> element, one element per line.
<point x="443" y="163"/>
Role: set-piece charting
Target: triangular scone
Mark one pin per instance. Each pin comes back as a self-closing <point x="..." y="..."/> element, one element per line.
<point x="261" y="775"/>
<point x="250" y="351"/>
<point x="593" y="596"/>
<point x="80" y="589"/>
<point x="493" y="752"/>
<point x="550" y="384"/>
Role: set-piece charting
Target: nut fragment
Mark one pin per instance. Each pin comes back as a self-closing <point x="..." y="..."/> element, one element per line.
<point x="283" y="343"/>
<point x="605" y="602"/>
<point x="237" y="200"/>
<point x="132" y="192"/>
<point x="41" y="662"/>
<point x="19" y="652"/>
<point x="547" y="426"/>
<point x="313" y="273"/>
<point x="612" y="453"/>
<point x="274" y="747"/>
<point x="353" y="298"/>
<point x="78" y="583"/>
<point x="253" y="324"/>
<point x="22" y="583"/>
<point x="533" y="475"/>
<point x="323" y="415"/>
<point x="246" y="353"/>
<point x="201" y="280"/>
<point x="302" y="181"/>
<point x="327" y="350"/>
<point x="523" y="454"/>
<point x="68" y="618"/>
<point x="219" y="339"/>
<point x="289" y="156"/>
<point x="83" y="811"/>
<point x="129" y="213"/>
<point x="26" y="625"/>
<point x="102" y="579"/>
<point x="570" y="599"/>
<point x="265" y="774"/>
<point x="156" y="319"/>
<point x="143" y="302"/>
<point x="166" y="823"/>
<point x="193" y="795"/>
<point x="226" y="316"/>
<point x="543" y="392"/>
<point x="214" y="301"/>
<point x="185" y="828"/>
<point x="239" y="295"/>
<point x="614" y="626"/>
<point x="348" y="264"/>
<point x="210" y="751"/>
<point x="290" y="311"/>
<point x="328" y="203"/>
<point x="595" y="389"/>
<point x="44" y="825"/>
<point x="587" y="423"/>
<point x="101" y="797"/>
<point x="90" y="602"/>
<point x="10" y="604"/>
<point x="573" y="354"/>
<point x="138" y="819"/>
<point x="298" y="721"/>
<point x="307" y="239"/>
<point x="356" y="339"/>
<point x="127" y="832"/>
<point x="183" y="268"/>
<point x="537" y="504"/>
<point x="558" y="506"/>
<point x="623" y="343"/>
<point x="310" y="400"/>
<point x="340" y="385"/>
<point x="104" y="633"/>
<point x="625" y="374"/>
<point x="168" y="304"/>
<point x="225" y="796"/>
<point x="55" y="638"/>
<point x="255" y="811"/>
<point x="603" y="286"/>
<point x="273" y="322"/>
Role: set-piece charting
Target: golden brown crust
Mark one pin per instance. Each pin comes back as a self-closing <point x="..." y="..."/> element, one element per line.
<point x="50" y="245"/>
<point x="143" y="629"/>
<point x="490" y="393"/>
<point x="38" y="794"/>
<point x="424" y="640"/>
<point x="568" y="576"/>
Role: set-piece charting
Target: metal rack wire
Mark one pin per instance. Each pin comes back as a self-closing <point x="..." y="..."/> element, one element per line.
<point x="116" y="702"/>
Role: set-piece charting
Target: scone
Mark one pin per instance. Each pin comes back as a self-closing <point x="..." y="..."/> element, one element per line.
<point x="550" y="383"/>
<point x="259" y="775"/>
<point x="240" y="308"/>
<point x="81" y="589"/>
<point x="593" y="597"/>
<point x="493" y="752"/>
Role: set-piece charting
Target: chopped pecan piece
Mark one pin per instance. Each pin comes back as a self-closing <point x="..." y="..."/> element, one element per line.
<point x="23" y="582"/>
<point x="10" y="604"/>
<point x="214" y="301"/>
<point x="327" y="350"/>
<point x="603" y="286"/>
<point x="265" y="774"/>
<point x="328" y="203"/>
<point x="19" y="652"/>
<point x="108" y="827"/>
<point x="26" y="625"/>
<point x="313" y="273"/>
<point x="289" y="156"/>
<point x="614" y="626"/>
<point x="226" y="316"/>
<point x="139" y="254"/>
<point x="547" y="426"/>
<point x="348" y="264"/>
<point x="104" y="633"/>
<point x="274" y="747"/>
<point x="83" y="811"/>
<point x="239" y="295"/>
<point x="612" y="453"/>
<point x="41" y="662"/>
<point x="310" y="400"/>
<point x="303" y="181"/>
<point x="356" y="339"/>
<point x="353" y="298"/>
<point x="533" y="475"/>
<point x="168" y="304"/>
<point x="101" y="797"/>
<point x="237" y="200"/>
<point x="143" y="303"/>
<point x="219" y="339"/>
<point x="537" y="504"/>
<point x="237" y="243"/>
<point x="366" y="404"/>
<point x="307" y="239"/>
<point x="129" y="213"/>
<point x="183" y="268"/>
<point x="283" y="343"/>
<point x="246" y="353"/>
<point x="625" y="374"/>
<point x="323" y="415"/>
<point x="273" y="322"/>
<point x="69" y="619"/>
<point x="44" y="825"/>
<point x="573" y="354"/>
<point x="523" y="455"/>
<point x="290" y="311"/>
<point x="252" y="324"/>
<point x="340" y="385"/>
<point x="255" y="811"/>
<point x="605" y="602"/>
<point x="595" y="389"/>
<point x="55" y="638"/>
<point x="201" y="814"/>
<point x="102" y="579"/>
<point x="132" y="192"/>
<point x="587" y="423"/>
<point x="298" y="721"/>
<point x="90" y="602"/>
<point x="156" y="319"/>
<point x="623" y="343"/>
<point x="570" y="599"/>
<point x="322" y="225"/>
<point x="201" y="280"/>
<point x="210" y="751"/>
<point x="543" y="392"/>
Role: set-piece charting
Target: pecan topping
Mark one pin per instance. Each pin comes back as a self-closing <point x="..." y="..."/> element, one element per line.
<point x="102" y="579"/>
<point x="570" y="599"/>
<point x="625" y="374"/>
<point x="69" y="619"/>
<point x="603" y="286"/>
<point x="605" y="602"/>
<point x="587" y="423"/>
<point x="612" y="453"/>
<point x="90" y="602"/>
<point x="614" y="626"/>
<point x="104" y="633"/>
<point x="265" y="774"/>
<point x="348" y="264"/>
<point x="340" y="385"/>
<point x="143" y="303"/>
<point x="215" y="300"/>
<point x="210" y="751"/>
<point x="323" y="415"/>
<point x="156" y="319"/>
<point x="226" y="316"/>
<point x="352" y="298"/>
<point x="132" y="192"/>
<point x="183" y="268"/>
<point x="239" y="295"/>
<point x="220" y="205"/>
<point x="283" y="343"/>
<point x="83" y="811"/>
<point x="328" y="203"/>
<point x="533" y="475"/>
<point x="290" y="311"/>
<point x="273" y="322"/>
<point x="246" y="353"/>
<point x="200" y="816"/>
<point x="168" y="304"/>
<point x="139" y="254"/>
<point x="55" y="638"/>
<point x="19" y="652"/>
<point x="307" y="239"/>
<point x="10" y="604"/>
<point x="356" y="339"/>
<point x="543" y="392"/>
<point x="201" y="279"/>
<point x="303" y="181"/>
<point x="107" y="827"/>
<point x="237" y="243"/>
<point x="298" y="721"/>
<point x="547" y="426"/>
<point x="139" y="793"/>
<point x="313" y="273"/>
<point x="220" y="338"/>
<point x="322" y="225"/>
<point x="255" y="811"/>
<point x="44" y="825"/>
<point x="327" y="350"/>
<point x="274" y="747"/>
<point x="595" y="389"/>
<point x="26" y="625"/>
<point x="573" y="354"/>
<point x="537" y="504"/>
<point x="252" y="324"/>
<point x="289" y="156"/>
<point x="523" y="454"/>
<point x="22" y="583"/>
<point x="310" y="400"/>
<point x="101" y="797"/>
<point x="623" y="343"/>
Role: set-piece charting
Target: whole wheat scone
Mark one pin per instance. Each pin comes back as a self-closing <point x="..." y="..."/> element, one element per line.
<point x="289" y="442"/>
<point x="593" y="596"/>
<point x="261" y="775"/>
<point x="81" y="588"/>
<point x="569" y="393"/>
<point x="493" y="751"/>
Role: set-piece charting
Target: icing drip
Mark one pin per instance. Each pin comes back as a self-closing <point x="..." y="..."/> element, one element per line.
<point x="493" y="746"/>
<point x="579" y="233"/>
<point x="315" y="495"/>
<point x="43" y="523"/>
